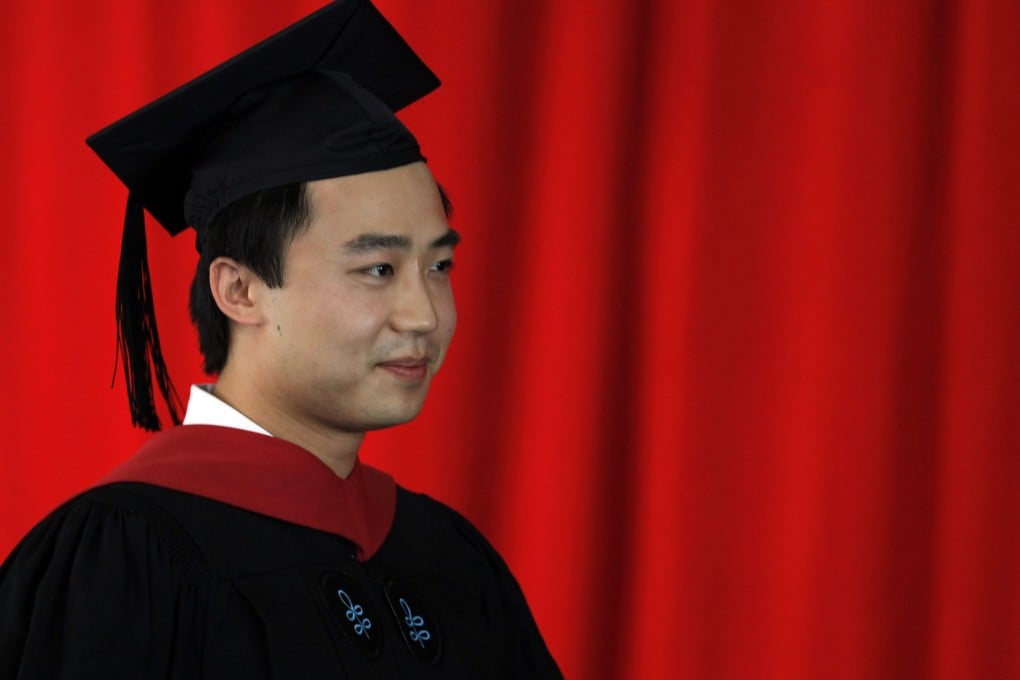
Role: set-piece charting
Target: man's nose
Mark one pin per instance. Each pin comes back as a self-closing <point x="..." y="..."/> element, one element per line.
<point x="414" y="311"/>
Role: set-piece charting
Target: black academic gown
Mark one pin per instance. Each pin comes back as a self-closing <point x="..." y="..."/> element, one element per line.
<point x="184" y="565"/>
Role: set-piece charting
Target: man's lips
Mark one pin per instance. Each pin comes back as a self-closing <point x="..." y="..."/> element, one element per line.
<point x="412" y="368"/>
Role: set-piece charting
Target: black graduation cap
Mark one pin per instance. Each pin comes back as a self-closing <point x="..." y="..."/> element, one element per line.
<point x="314" y="101"/>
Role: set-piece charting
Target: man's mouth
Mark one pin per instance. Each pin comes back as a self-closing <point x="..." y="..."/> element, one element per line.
<point x="408" y="368"/>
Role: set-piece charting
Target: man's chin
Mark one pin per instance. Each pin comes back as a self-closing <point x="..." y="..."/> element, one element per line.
<point x="382" y="421"/>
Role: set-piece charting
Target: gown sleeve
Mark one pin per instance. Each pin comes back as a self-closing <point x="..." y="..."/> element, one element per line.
<point x="105" y="587"/>
<point x="525" y="653"/>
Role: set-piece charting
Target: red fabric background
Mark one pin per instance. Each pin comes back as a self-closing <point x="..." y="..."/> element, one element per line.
<point x="736" y="387"/>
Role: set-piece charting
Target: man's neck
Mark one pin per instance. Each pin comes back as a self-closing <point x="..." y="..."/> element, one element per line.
<point x="337" y="449"/>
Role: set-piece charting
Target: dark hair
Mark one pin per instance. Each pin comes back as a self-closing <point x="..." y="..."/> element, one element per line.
<point x="254" y="231"/>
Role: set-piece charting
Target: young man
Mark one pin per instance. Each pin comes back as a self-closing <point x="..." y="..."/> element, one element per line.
<point x="250" y="542"/>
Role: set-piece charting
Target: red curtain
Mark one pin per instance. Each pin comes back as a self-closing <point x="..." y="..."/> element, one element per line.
<point x="736" y="388"/>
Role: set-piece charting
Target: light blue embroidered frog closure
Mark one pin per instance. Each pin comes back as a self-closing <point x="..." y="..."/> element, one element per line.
<point x="415" y="625"/>
<point x="355" y="614"/>
<point x="420" y="630"/>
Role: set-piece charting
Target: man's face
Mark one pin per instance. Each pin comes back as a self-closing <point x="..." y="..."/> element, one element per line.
<point x="366" y="313"/>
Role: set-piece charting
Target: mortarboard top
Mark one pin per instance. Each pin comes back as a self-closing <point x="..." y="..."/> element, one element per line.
<point x="314" y="101"/>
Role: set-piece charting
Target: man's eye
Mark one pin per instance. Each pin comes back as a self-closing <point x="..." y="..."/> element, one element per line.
<point x="379" y="270"/>
<point x="443" y="266"/>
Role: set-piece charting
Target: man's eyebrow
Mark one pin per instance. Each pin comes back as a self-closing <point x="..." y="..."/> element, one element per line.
<point x="365" y="243"/>
<point x="448" y="240"/>
<point x="368" y="242"/>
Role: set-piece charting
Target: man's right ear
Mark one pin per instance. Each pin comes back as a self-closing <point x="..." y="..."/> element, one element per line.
<point x="233" y="287"/>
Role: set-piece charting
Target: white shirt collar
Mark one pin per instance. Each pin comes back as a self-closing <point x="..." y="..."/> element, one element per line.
<point x="205" y="408"/>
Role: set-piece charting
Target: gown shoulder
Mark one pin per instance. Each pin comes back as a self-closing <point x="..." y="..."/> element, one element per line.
<point x="108" y="585"/>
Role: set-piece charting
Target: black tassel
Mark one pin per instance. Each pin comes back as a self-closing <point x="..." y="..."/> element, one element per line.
<point x="137" y="336"/>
